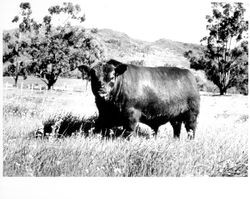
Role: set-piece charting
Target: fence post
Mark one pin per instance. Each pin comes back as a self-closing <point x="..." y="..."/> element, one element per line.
<point x="21" y="88"/>
<point x="32" y="87"/>
<point x="86" y="88"/>
<point x="6" y="85"/>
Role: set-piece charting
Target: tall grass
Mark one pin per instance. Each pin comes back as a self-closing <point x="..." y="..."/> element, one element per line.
<point x="219" y="149"/>
<point x="93" y="156"/>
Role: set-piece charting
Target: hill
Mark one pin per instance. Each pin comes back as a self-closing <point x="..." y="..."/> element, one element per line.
<point x="124" y="48"/>
<point x="120" y="46"/>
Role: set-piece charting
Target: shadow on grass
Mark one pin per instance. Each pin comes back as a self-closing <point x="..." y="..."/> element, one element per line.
<point x="60" y="126"/>
<point x="66" y="125"/>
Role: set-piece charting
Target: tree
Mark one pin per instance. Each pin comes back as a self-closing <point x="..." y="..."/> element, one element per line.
<point x="47" y="50"/>
<point x="137" y="62"/>
<point x="224" y="58"/>
<point x="60" y="49"/>
<point x="15" y="54"/>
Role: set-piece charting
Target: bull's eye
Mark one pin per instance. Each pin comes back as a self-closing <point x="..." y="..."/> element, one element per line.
<point x="108" y="78"/>
<point x="111" y="84"/>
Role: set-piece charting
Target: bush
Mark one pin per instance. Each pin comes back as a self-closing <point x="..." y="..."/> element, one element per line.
<point x="168" y="65"/>
<point x="137" y="62"/>
<point x="76" y="74"/>
<point x="6" y="72"/>
<point x="114" y="42"/>
<point x="20" y="109"/>
<point x="67" y="125"/>
<point x="205" y="85"/>
<point x="242" y="87"/>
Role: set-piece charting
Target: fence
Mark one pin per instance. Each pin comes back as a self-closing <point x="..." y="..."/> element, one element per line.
<point x="38" y="87"/>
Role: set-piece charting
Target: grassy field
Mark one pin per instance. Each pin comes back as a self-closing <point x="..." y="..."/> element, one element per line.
<point x="219" y="149"/>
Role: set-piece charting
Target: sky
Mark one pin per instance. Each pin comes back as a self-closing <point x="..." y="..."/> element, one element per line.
<point x="147" y="20"/>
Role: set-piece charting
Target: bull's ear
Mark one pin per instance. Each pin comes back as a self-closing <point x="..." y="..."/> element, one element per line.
<point x="84" y="69"/>
<point x="120" y="68"/>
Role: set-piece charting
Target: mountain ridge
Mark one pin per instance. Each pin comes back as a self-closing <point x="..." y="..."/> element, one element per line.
<point x="120" y="46"/>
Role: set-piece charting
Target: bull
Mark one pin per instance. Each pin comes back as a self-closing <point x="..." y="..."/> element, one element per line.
<point x="126" y="94"/>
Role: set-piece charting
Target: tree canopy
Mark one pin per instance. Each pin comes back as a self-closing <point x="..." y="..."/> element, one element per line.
<point x="224" y="58"/>
<point x="15" y="45"/>
<point x="52" y="49"/>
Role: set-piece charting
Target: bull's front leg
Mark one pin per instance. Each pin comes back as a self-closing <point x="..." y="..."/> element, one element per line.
<point x="102" y="128"/>
<point x="99" y="126"/>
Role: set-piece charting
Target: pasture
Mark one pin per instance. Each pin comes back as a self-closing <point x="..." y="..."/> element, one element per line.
<point x="219" y="149"/>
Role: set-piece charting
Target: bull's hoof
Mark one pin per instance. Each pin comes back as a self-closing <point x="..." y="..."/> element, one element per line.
<point x="176" y="137"/>
<point x="190" y="134"/>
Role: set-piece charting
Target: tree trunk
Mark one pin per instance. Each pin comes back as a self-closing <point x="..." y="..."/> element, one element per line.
<point x="223" y="91"/>
<point x="15" y="79"/>
<point x="49" y="85"/>
<point x="51" y="80"/>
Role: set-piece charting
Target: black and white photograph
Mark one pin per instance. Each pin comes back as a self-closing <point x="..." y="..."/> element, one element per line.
<point x="129" y="88"/>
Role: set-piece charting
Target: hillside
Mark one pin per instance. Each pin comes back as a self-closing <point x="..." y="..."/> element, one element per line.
<point x="120" y="46"/>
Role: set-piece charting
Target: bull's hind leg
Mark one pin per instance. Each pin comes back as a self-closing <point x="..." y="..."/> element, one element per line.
<point x="190" y="124"/>
<point x="190" y="117"/>
<point x="177" y="128"/>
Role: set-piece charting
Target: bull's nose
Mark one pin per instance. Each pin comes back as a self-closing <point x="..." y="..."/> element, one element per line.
<point x="103" y="95"/>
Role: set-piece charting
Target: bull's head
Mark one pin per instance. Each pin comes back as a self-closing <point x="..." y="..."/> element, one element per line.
<point x="103" y="76"/>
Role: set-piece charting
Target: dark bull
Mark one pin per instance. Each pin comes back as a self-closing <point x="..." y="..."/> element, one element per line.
<point x="126" y="94"/>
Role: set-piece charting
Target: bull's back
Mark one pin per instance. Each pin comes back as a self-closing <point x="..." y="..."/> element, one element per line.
<point x="167" y="83"/>
<point x="159" y="91"/>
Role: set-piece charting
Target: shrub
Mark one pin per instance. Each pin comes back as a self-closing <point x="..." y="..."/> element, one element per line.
<point x="20" y="109"/>
<point x="137" y="62"/>
<point x="67" y="125"/>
